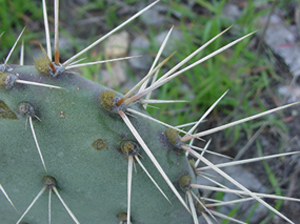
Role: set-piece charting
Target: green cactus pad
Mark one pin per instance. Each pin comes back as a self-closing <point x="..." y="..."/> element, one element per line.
<point x="93" y="183"/>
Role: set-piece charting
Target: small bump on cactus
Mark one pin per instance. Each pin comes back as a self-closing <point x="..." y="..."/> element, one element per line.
<point x="7" y="80"/>
<point x="185" y="182"/>
<point x="129" y="148"/>
<point x="123" y="218"/>
<point x="109" y="101"/>
<point x="49" y="182"/>
<point x="100" y="144"/>
<point x="27" y="110"/>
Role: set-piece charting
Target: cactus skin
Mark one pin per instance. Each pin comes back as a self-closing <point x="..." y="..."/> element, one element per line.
<point x="92" y="181"/>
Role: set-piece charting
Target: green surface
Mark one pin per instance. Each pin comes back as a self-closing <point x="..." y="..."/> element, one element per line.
<point x="92" y="182"/>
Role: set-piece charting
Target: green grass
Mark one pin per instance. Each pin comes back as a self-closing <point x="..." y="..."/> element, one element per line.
<point x="14" y="15"/>
<point x="208" y="80"/>
<point x="273" y="181"/>
<point x="229" y="70"/>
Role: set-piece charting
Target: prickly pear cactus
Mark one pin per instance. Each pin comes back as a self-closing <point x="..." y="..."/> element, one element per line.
<point x="74" y="151"/>
<point x="82" y="146"/>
